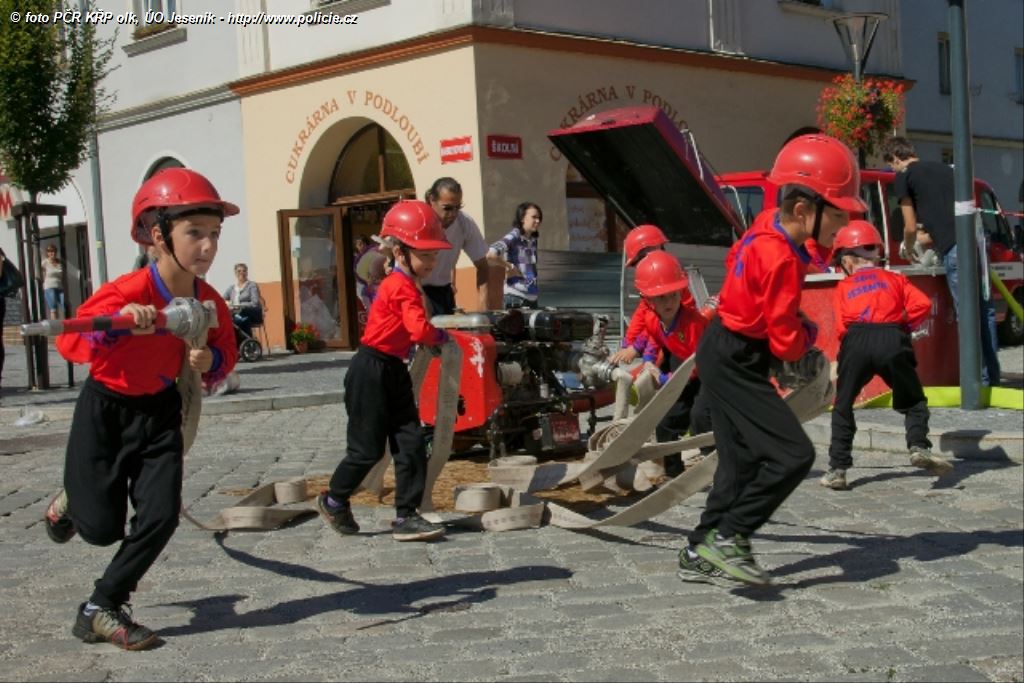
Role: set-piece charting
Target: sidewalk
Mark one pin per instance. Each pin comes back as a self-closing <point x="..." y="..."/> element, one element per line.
<point x="286" y="380"/>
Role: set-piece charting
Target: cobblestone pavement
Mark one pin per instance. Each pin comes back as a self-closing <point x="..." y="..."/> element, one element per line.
<point x="900" y="579"/>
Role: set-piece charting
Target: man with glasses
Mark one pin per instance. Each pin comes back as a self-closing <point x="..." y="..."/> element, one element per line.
<point x="445" y="197"/>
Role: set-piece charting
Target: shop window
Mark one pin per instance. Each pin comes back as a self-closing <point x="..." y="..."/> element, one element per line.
<point x="594" y="226"/>
<point x="371" y="163"/>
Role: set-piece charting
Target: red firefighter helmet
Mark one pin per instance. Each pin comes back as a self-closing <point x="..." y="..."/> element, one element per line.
<point x="415" y="224"/>
<point x="855" y="235"/>
<point x="179" y="189"/>
<point x="660" y="273"/>
<point x="822" y="164"/>
<point x="642" y="237"/>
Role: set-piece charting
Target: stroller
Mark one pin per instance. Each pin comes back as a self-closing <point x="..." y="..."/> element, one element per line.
<point x="249" y="348"/>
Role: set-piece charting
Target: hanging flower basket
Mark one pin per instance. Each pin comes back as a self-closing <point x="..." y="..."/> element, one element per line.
<point x="861" y="114"/>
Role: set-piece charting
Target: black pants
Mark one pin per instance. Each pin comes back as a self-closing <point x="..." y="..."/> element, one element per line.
<point x="884" y="350"/>
<point x="441" y="299"/>
<point x="382" y="409"/>
<point x="763" y="451"/>
<point x="244" y="319"/>
<point x="124" y="448"/>
<point x="691" y="410"/>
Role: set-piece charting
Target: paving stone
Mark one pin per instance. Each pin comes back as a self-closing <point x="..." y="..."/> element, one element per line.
<point x="940" y="597"/>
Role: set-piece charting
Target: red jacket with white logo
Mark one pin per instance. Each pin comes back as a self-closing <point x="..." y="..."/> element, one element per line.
<point x="678" y="338"/>
<point x="875" y="295"/>
<point x="138" y="365"/>
<point x="760" y="298"/>
<point x="398" y="318"/>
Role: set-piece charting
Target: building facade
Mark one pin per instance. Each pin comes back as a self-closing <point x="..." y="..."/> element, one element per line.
<point x="315" y="129"/>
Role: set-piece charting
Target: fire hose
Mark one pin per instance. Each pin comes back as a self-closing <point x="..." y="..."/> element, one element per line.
<point x="188" y="319"/>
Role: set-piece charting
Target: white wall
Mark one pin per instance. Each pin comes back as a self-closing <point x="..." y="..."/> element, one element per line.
<point x="997" y="120"/>
<point x="207" y="140"/>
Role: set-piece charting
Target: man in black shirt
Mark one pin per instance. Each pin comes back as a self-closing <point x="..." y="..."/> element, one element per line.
<point x="925" y="192"/>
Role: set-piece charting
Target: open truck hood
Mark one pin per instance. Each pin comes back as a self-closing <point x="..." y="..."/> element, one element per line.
<point x="651" y="173"/>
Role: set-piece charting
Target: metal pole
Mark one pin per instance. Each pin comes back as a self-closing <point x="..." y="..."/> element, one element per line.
<point x="97" y="207"/>
<point x="97" y="190"/>
<point x="969" y="323"/>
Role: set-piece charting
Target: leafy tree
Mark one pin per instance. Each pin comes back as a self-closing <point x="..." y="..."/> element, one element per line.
<point x="50" y="92"/>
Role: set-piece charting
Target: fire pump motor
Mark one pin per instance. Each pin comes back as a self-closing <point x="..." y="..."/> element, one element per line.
<point x="526" y="376"/>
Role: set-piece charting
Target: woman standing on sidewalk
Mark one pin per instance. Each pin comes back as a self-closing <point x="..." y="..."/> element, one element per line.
<point x="53" y="282"/>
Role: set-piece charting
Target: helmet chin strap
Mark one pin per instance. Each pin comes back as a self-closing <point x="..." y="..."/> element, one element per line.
<point x="407" y="253"/>
<point x="164" y="221"/>
<point x="819" y="211"/>
<point x="165" y="230"/>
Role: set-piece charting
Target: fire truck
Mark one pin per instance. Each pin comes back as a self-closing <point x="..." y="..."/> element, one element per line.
<point x="653" y="173"/>
<point x="526" y="375"/>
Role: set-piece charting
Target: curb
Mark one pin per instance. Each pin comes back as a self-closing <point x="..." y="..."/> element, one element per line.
<point x="974" y="444"/>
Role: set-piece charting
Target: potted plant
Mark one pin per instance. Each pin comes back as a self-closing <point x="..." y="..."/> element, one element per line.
<point x="302" y="336"/>
<point x="861" y="114"/>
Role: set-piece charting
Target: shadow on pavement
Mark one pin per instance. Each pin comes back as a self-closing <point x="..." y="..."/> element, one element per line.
<point x="876" y="555"/>
<point x="219" y="612"/>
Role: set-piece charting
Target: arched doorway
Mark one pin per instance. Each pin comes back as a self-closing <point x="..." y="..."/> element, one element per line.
<point x="370" y="174"/>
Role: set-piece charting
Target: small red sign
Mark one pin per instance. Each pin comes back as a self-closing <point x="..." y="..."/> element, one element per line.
<point x="504" y="147"/>
<point x="457" y="149"/>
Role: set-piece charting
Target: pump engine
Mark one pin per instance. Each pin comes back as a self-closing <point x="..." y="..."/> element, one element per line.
<point x="526" y="377"/>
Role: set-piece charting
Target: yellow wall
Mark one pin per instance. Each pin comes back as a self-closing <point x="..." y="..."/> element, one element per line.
<point x="739" y="120"/>
<point x="293" y="135"/>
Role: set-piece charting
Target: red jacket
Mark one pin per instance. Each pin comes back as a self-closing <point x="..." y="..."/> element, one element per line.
<point x="137" y="365"/>
<point x="760" y="298"/>
<point x="679" y="338"/>
<point x="398" y="318"/>
<point x="635" y="335"/>
<point x="875" y="295"/>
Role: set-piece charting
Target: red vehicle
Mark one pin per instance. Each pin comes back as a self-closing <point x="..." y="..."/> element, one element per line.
<point x="643" y="166"/>
<point x="752" y="192"/>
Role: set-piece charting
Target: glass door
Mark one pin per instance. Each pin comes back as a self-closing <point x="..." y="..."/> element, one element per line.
<point x="316" y="274"/>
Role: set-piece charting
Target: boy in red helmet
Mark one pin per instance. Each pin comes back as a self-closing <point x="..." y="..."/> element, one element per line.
<point x="379" y="395"/>
<point x="764" y="453"/>
<point x="875" y="311"/>
<point x="641" y="241"/>
<point x="126" y="439"/>
<point x="672" y="326"/>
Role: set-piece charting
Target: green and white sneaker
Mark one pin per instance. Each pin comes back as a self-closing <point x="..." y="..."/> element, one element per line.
<point x="834" y="479"/>
<point x="734" y="557"/>
<point x="695" y="569"/>
<point x="930" y="462"/>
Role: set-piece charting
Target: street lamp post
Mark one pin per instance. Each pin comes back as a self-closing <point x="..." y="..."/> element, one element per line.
<point x="857" y="34"/>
